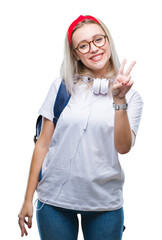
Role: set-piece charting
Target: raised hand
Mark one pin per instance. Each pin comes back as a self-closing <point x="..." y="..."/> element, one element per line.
<point x="122" y="83"/>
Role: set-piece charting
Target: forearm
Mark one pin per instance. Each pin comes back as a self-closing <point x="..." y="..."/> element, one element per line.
<point x="36" y="164"/>
<point x="122" y="130"/>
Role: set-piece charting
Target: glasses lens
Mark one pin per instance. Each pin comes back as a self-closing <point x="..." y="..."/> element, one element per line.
<point x="99" y="41"/>
<point x="83" y="47"/>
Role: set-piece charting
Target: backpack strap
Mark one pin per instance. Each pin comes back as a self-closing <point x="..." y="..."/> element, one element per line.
<point x="38" y="128"/>
<point x="61" y="101"/>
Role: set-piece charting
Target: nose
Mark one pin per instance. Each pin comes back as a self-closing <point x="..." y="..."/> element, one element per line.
<point x="93" y="48"/>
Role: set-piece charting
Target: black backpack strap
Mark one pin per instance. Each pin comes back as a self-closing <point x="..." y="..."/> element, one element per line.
<point x="61" y="101"/>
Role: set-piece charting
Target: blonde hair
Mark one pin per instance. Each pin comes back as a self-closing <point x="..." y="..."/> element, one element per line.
<point x="71" y="67"/>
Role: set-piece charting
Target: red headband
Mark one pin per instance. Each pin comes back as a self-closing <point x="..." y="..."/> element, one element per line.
<point x="81" y="18"/>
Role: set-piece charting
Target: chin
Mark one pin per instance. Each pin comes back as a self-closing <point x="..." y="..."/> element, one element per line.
<point x="100" y="68"/>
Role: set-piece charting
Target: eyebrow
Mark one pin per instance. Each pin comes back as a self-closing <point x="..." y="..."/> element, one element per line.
<point x="92" y="38"/>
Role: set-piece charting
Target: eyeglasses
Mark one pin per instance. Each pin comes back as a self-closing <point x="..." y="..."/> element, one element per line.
<point x="84" y="47"/>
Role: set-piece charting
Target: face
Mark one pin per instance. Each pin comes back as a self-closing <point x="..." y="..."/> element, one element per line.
<point x="97" y="59"/>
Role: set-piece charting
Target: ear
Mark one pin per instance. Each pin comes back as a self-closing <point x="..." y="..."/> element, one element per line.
<point x="75" y="54"/>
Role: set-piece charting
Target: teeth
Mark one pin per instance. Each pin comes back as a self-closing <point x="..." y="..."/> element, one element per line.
<point x="96" y="57"/>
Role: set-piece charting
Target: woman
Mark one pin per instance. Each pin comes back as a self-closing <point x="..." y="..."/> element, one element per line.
<point x="81" y="173"/>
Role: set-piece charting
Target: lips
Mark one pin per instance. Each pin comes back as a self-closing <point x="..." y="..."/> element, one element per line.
<point x="97" y="57"/>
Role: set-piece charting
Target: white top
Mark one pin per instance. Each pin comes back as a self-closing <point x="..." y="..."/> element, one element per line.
<point x="81" y="170"/>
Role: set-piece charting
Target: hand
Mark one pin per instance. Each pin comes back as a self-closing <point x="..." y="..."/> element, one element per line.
<point x="122" y="83"/>
<point x="26" y="211"/>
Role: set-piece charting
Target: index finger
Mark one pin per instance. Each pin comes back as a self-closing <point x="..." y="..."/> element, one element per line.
<point x="130" y="68"/>
<point x="122" y="66"/>
<point x="22" y="227"/>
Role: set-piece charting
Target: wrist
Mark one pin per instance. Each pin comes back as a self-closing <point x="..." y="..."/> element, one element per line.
<point x="28" y="200"/>
<point x="117" y="100"/>
<point x="120" y="104"/>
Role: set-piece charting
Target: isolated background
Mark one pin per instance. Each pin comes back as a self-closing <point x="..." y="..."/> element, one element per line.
<point x="31" y="50"/>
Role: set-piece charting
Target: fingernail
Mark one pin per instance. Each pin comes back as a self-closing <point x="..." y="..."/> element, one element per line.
<point x="29" y="226"/>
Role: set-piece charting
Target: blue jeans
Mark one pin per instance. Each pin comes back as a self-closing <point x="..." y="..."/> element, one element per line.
<point x="55" y="223"/>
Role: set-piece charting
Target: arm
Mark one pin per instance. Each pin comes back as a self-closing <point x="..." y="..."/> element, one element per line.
<point x="40" y="151"/>
<point x="122" y="131"/>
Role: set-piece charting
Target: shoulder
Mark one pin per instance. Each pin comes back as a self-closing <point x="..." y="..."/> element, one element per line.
<point x="56" y="83"/>
<point x="53" y="89"/>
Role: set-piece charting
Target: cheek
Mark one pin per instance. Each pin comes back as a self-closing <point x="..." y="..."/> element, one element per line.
<point x="109" y="55"/>
<point x="109" y="50"/>
<point x="84" y="59"/>
<point x="76" y="55"/>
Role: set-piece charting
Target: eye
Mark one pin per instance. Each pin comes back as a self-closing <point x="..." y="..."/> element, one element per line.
<point x="83" y="45"/>
<point x="98" y="39"/>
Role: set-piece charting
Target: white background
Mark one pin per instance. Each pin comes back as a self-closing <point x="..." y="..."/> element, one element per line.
<point x="31" y="50"/>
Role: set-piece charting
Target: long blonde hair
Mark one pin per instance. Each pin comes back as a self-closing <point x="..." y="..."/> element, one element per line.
<point x="71" y="67"/>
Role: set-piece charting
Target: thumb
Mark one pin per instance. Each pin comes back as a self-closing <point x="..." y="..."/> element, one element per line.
<point x="116" y="86"/>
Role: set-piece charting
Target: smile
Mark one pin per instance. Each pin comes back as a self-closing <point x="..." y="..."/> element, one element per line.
<point x="97" y="58"/>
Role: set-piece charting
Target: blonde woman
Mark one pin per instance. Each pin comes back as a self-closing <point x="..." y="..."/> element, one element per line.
<point x="81" y="172"/>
